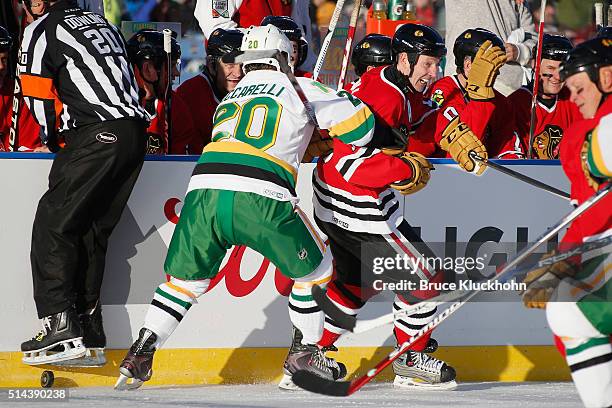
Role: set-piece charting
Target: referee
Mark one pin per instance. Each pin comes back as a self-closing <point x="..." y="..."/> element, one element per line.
<point x="78" y="83"/>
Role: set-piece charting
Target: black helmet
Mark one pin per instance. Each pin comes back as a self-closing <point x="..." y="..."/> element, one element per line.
<point x="417" y="39"/>
<point x="587" y="57"/>
<point x="148" y="44"/>
<point x="293" y="33"/>
<point x="469" y="41"/>
<point x="555" y="47"/>
<point x="6" y="41"/>
<point x="373" y="49"/>
<point x="222" y="42"/>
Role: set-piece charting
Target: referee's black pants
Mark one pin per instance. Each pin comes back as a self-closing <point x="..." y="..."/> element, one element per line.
<point x="89" y="184"/>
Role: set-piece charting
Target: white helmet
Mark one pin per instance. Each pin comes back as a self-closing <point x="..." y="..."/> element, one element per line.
<point x="266" y="38"/>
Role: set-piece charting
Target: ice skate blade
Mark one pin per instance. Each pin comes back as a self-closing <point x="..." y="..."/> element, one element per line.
<point x="122" y="383"/>
<point x="287" y="384"/>
<point x="416" y="384"/>
<point x="94" y="357"/>
<point x="73" y="349"/>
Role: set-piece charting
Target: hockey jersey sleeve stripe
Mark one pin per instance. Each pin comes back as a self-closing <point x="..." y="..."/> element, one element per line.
<point x="244" y="150"/>
<point x="358" y="129"/>
<point x="348" y="164"/>
<point x="598" y="162"/>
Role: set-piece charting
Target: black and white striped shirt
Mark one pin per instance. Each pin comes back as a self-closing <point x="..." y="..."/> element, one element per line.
<point x="74" y="70"/>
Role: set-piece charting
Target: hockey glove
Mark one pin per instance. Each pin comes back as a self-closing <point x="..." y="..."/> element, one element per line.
<point x="420" y="173"/>
<point x="393" y="150"/>
<point x="542" y="282"/>
<point x="485" y="67"/>
<point x="318" y="146"/>
<point x="459" y="141"/>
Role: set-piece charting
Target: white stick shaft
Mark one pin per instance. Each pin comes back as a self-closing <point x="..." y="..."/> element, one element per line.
<point x="167" y="41"/>
<point x="599" y="14"/>
<point x="349" y="43"/>
<point x="330" y="33"/>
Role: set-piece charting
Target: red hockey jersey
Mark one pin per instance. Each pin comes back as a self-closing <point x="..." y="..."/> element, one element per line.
<point x="597" y="219"/>
<point x="199" y="95"/>
<point x="351" y="189"/>
<point x="184" y="134"/>
<point x="488" y="119"/>
<point x="395" y="109"/>
<point x="550" y="122"/>
<point x="29" y="131"/>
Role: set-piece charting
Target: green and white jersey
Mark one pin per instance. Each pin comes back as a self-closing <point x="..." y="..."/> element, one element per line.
<point x="261" y="132"/>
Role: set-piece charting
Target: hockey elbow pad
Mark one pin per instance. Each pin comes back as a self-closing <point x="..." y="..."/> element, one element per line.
<point x="459" y="141"/>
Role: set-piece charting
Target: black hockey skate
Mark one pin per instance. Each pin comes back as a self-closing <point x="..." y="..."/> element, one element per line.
<point x="311" y="358"/>
<point x="60" y="339"/>
<point x="94" y="339"/>
<point x="137" y="364"/>
<point x="420" y="370"/>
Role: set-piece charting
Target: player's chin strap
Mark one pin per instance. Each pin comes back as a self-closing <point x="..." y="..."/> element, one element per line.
<point x="400" y="80"/>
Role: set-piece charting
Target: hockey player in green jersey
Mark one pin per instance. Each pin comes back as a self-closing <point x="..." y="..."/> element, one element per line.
<point x="242" y="192"/>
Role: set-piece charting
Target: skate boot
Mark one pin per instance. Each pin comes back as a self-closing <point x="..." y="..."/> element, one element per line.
<point x="138" y="362"/>
<point x="60" y="339"/>
<point x="416" y="370"/>
<point x="94" y="339"/>
<point x="311" y="358"/>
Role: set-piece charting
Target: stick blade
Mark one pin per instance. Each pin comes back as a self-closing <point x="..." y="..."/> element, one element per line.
<point x="319" y="385"/>
<point x="345" y="321"/>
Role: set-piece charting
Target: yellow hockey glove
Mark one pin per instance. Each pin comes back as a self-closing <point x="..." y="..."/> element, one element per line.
<point x="485" y="67"/>
<point x="542" y="282"/>
<point x="421" y="168"/>
<point x="317" y="147"/>
<point x="459" y="141"/>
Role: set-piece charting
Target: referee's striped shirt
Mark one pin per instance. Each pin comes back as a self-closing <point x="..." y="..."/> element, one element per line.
<point x="74" y="70"/>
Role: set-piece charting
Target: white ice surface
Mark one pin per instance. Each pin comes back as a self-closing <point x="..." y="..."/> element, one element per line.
<point x="472" y="395"/>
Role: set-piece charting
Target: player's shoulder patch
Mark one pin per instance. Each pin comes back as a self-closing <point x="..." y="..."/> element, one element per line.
<point x="220" y="8"/>
<point x="438" y="97"/>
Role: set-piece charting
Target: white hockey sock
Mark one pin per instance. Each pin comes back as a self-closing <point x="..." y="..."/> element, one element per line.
<point x="170" y="303"/>
<point x="303" y="310"/>
<point x="590" y="361"/>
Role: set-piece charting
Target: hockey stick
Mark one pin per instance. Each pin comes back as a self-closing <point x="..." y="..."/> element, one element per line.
<point x="17" y="96"/>
<point x="536" y="80"/>
<point x="328" y="37"/>
<point x="599" y="16"/>
<point x="520" y="176"/>
<point x="168" y="92"/>
<point x="351" y="323"/>
<point x="312" y="382"/>
<point x="349" y="43"/>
